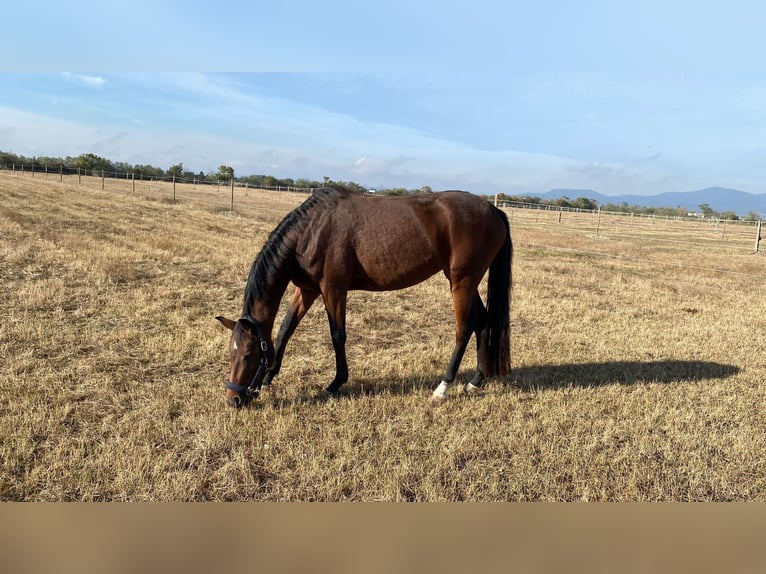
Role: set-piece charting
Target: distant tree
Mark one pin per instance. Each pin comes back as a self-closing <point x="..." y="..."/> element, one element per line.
<point x="50" y="162"/>
<point x="93" y="163"/>
<point x="752" y="216"/>
<point x="122" y="167"/>
<point x="350" y="185"/>
<point x="176" y="170"/>
<point x="148" y="171"/>
<point x="269" y="181"/>
<point x="8" y="158"/>
<point x="585" y="203"/>
<point x="254" y="180"/>
<point x="730" y="215"/>
<point x="393" y="191"/>
<point x="306" y="183"/>
<point x="522" y="198"/>
<point x="707" y="211"/>
<point x="225" y="173"/>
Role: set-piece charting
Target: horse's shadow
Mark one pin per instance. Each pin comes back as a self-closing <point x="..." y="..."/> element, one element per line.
<point x="542" y="377"/>
<point x="617" y="372"/>
<point x="545" y="377"/>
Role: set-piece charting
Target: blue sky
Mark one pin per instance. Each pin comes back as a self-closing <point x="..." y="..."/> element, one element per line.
<point x="518" y="97"/>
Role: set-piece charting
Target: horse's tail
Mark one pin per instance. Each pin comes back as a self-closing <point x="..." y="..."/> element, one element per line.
<point x="498" y="307"/>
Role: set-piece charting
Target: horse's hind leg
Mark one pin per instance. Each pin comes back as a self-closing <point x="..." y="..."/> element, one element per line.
<point x="467" y="317"/>
<point x="479" y="313"/>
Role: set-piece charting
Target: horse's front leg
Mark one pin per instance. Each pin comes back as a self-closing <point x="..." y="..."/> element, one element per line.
<point x="335" y="304"/>
<point x="299" y="305"/>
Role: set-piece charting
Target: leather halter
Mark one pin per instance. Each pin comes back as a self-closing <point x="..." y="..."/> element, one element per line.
<point x="253" y="389"/>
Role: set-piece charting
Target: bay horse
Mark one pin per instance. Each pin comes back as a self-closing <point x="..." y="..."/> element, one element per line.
<point x="339" y="240"/>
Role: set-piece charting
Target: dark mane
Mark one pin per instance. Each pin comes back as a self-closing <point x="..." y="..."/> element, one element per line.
<point x="281" y="242"/>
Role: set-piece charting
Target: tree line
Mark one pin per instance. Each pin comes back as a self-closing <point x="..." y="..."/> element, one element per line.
<point x="92" y="163"/>
<point x="591" y="205"/>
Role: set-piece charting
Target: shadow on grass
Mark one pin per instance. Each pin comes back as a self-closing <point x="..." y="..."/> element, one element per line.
<point x="548" y="377"/>
<point x="616" y="372"/>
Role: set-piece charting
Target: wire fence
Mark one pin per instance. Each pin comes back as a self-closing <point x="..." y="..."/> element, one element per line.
<point x="740" y="236"/>
<point x="691" y="217"/>
<point x="64" y="173"/>
<point x="213" y="195"/>
<point x="701" y="247"/>
<point x="734" y="236"/>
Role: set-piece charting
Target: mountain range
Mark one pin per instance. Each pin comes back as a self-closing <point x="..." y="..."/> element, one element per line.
<point x="718" y="198"/>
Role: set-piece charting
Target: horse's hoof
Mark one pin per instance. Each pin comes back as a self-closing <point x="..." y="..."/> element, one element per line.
<point x="329" y="395"/>
<point x="437" y="399"/>
<point x="440" y="392"/>
<point x="470" y="389"/>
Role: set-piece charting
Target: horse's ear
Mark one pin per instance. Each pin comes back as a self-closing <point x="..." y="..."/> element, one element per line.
<point x="228" y="323"/>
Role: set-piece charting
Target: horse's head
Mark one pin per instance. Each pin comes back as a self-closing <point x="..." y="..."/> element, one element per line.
<point x="249" y="352"/>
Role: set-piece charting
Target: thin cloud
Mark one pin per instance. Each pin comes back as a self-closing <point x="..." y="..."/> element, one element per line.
<point x="90" y="81"/>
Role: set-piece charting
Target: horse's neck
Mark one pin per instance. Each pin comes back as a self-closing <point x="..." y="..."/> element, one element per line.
<point x="272" y="271"/>
<point x="264" y="306"/>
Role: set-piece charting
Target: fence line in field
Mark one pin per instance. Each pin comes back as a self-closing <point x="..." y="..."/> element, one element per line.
<point x="739" y="236"/>
<point x="62" y="172"/>
<point x="627" y="214"/>
<point x="728" y="234"/>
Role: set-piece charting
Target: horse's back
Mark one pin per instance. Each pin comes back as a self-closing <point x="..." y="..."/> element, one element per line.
<point x="383" y="243"/>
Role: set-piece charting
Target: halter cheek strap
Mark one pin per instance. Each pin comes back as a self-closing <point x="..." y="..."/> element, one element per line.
<point x="253" y="388"/>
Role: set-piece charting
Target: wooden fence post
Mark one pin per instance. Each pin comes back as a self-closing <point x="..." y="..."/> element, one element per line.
<point x="103" y="180"/>
<point x="232" y="194"/>
<point x="598" y="222"/>
<point x="758" y="238"/>
<point x="174" y="188"/>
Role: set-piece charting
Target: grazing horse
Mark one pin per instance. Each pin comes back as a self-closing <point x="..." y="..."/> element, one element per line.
<point x="339" y="240"/>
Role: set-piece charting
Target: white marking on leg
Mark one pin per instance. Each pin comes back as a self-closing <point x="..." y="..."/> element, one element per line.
<point x="234" y="344"/>
<point x="441" y="390"/>
<point x="470" y="388"/>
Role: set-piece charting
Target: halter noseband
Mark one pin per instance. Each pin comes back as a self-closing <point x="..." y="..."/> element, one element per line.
<point x="253" y="389"/>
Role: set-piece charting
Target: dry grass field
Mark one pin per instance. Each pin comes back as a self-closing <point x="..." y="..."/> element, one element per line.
<point x="637" y="353"/>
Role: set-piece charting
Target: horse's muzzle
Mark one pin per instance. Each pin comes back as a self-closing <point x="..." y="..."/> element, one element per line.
<point x="235" y="401"/>
<point x="240" y="399"/>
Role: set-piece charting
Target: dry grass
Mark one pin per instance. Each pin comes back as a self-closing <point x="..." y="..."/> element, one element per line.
<point x="637" y="377"/>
